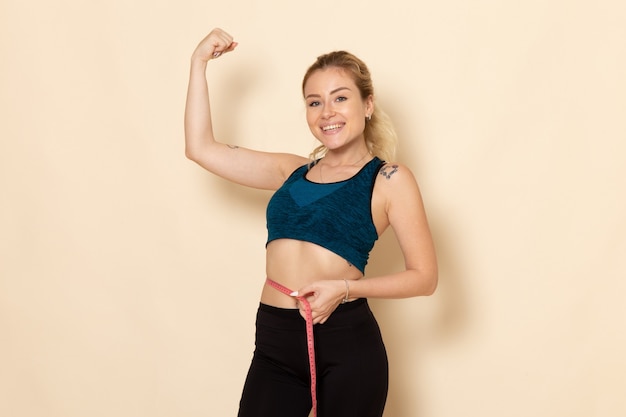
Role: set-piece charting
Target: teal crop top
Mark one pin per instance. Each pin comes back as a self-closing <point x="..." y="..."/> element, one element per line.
<point x="336" y="216"/>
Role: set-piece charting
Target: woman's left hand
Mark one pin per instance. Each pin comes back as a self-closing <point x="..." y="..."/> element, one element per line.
<point x="323" y="297"/>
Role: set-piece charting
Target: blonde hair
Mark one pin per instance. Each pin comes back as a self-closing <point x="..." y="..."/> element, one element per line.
<point x="380" y="135"/>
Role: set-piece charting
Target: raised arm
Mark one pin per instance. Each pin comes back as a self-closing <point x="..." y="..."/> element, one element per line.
<point x="244" y="166"/>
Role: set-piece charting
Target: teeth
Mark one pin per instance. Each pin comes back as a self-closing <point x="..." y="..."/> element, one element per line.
<point x="331" y="127"/>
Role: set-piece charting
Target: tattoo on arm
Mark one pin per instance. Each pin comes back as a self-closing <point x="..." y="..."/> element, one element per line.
<point x="388" y="171"/>
<point x="233" y="146"/>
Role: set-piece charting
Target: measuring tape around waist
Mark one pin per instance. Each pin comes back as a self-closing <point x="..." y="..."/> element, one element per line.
<point x="309" y="338"/>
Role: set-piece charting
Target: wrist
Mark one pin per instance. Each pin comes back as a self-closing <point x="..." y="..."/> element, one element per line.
<point x="346" y="296"/>
<point x="198" y="61"/>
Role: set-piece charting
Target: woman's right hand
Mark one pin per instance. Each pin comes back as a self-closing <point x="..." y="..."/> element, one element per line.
<point x="214" y="45"/>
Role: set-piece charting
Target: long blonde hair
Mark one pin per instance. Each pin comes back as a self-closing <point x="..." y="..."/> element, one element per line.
<point x="380" y="135"/>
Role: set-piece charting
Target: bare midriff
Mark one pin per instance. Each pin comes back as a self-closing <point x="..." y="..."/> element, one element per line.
<point x="294" y="264"/>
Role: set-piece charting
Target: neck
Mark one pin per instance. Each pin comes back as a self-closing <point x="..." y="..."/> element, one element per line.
<point x="338" y="168"/>
<point x="346" y="159"/>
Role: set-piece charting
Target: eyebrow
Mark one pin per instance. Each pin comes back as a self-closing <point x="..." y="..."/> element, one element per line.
<point x="336" y="90"/>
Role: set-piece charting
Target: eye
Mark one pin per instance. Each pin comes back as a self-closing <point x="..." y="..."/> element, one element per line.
<point x="314" y="103"/>
<point x="342" y="98"/>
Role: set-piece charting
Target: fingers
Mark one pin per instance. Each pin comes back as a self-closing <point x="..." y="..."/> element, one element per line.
<point x="319" y="314"/>
<point x="221" y="41"/>
<point x="302" y="309"/>
<point x="317" y="319"/>
<point x="215" y="44"/>
<point x="321" y="301"/>
<point x="323" y="297"/>
<point x="229" y="48"/>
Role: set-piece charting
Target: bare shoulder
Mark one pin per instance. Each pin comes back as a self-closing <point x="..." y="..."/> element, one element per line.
<point x="397" y="186"/>
<point x="397" y="197"/>
<point x="396" y="176"/>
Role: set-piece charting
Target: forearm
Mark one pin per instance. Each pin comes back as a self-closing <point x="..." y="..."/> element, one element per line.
<point x="325" y="296"/>
<point x="198" y="124"/>
<point x="405" y="284"/>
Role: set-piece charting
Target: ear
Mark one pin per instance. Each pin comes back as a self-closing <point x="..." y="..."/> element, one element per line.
<point x="369" y="105"/>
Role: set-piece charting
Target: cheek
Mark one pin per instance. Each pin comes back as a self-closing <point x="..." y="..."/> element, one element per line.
<point x="361" y="126"/>
<point x="311" y="116"/>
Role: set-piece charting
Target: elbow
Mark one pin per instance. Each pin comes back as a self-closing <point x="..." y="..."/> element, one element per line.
<point x="433" y="279"/>
<point x="427" y="282"/>
<point x="421" y="283"/>
<point x="191" y="153"/>
<point x="198" y="151"/>
<point x="432" y="283"/>
<point x="193" y="146"/>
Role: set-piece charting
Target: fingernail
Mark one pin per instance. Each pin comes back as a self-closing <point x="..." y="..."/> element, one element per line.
<point x="294" y="294"/>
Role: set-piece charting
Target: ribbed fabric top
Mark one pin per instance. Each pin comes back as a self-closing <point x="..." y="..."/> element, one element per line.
<point x="336" y="216"/>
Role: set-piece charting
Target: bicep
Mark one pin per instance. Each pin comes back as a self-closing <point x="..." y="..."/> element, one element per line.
<point x="407" y="217"/>
<point x="257" y="169"/>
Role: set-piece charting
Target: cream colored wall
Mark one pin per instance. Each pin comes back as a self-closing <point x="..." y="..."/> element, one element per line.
<point x="129" y="278"/>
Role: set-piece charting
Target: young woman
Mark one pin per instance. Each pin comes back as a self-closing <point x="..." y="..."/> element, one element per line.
<point x="318" y="346"/>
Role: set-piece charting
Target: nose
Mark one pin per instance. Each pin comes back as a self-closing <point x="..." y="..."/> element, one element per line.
<point x="328" y="111"/>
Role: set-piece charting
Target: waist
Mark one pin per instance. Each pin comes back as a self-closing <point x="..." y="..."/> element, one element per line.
<point x="272" y="297"/>
<point x="294" y="313"/>
<point x="289" y="318"/>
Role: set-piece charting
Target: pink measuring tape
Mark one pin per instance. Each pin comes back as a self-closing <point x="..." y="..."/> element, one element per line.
<point x="309" y="338"/>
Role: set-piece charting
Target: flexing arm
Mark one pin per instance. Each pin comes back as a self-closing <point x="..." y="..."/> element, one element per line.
<point x="244" y="166"/>
<point x="199" y="138"/>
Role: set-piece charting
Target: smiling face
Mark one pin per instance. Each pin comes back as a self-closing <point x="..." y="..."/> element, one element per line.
<point x="335" y="110"/>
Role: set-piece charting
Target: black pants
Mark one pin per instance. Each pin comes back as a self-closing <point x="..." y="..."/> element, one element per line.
<point x="352" y="369"/>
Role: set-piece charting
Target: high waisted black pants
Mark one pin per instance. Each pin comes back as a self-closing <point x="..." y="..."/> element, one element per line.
<point x="352" y="371"/>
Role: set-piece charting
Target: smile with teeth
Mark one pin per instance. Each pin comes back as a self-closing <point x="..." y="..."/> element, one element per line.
<point x="332" y="127"/>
